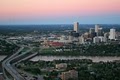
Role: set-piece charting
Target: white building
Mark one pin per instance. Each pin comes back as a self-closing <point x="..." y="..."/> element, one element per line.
<point x="76" y="27"/>
<point x="96" y="40"/>
<point x="62" y="41"/>
<point x="99" y="39"/>
<point x="102" y="39"/>
<point x="96" y="28"/>
<point x="112" y="34"/>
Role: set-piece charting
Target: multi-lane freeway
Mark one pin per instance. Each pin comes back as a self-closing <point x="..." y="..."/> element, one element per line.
<point x="8" y="67"/>
<point x="7" y="64"/>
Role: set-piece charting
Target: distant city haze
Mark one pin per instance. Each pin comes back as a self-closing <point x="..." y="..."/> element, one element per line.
<point x="59" y="11"/>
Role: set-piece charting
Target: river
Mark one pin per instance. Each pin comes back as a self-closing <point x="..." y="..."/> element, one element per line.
<point x="51" y="58"/>
<point x="94" y="59"/>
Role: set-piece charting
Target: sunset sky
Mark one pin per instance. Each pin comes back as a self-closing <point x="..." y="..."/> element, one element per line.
<point x="59" y="11"/>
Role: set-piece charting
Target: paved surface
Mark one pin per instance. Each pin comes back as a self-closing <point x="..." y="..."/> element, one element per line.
<point x="12" y="69"/>
<point x="6" y="65"/>
<point x="29" y="76"/>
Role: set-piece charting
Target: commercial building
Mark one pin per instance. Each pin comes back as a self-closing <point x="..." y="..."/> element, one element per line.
<point x="70" y="38"/>
<point x="63" y="37"/>
<point x="102" y="39"/>
<point x="96" y="40"/>
<point x="81" y="40"/>
<point x="99" y="39"/>
<point x="106" y="36"/>
<point x="96" y="28"/>
<point x="91" y="30"/>
<point x="73" y="36"/>
<point x="53" y="44"/>
<point x="112" y="34"/>
<point x="100" y="32"/>
<point x="76" y="27"/>
<point x="86" y="35"/>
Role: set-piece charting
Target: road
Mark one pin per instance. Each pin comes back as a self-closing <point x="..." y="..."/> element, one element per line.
<point x="6" y="65"/>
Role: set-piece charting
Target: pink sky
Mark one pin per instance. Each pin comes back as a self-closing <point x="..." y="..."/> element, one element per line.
<point x="57" y="8"/>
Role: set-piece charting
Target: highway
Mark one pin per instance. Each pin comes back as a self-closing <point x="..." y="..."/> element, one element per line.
<point x="8" y="64"/>
<point x="26" y="58"/>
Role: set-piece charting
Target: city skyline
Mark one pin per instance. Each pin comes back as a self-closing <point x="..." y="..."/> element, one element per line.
<point x="59" y="12"/>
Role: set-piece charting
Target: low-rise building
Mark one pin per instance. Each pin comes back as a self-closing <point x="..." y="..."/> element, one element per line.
<point x="53" y="44"/>
<point x="99" y="39"/>
<point x="69" y="74"/>
<point x="61" y="66"/>
<point x="81" y="40"/>
<point x="96" y="40"/>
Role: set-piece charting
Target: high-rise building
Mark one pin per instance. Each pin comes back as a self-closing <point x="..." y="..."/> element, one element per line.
<point x="76" y="27"/>
<point x="96" y="28"/>
<point x="100" y="32"/>
<point x="112" y="34"/>
<point x="106" y="36"/>
<point x="92" y="30"/>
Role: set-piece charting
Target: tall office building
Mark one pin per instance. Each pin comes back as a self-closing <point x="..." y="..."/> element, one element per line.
<point x="106" y="36"/>
<point x="91" y="30"/>
<point x="100" y="32"/>
<point x="112" y="34"/>
<point x="96" y="28"/>
<point x="76" y="27"/>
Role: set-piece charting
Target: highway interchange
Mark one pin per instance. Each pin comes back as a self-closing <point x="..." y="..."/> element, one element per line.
<point x="8" y="66"/>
